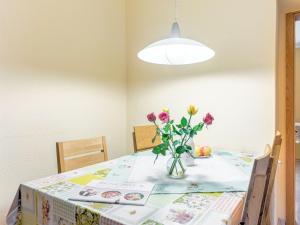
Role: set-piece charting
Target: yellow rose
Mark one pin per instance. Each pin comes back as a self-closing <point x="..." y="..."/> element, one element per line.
<point x="166" y="110"/>
<point x="192" y="110"/>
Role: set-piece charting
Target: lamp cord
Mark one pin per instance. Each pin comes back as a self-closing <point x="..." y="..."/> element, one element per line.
<point x="176" y="10"/>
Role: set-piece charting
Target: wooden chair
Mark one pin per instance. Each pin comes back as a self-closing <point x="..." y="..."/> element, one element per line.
<point x="273" y="167"/>
<point x="80" y="153"/>
<point x="261" y="186"/>
<point x="143" y="136"/>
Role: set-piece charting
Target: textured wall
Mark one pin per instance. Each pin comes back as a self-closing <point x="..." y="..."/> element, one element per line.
<point x="237" y="86"/>
<point x="62" y="76"/>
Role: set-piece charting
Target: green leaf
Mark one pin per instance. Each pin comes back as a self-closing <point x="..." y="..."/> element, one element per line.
<point x="167" y="128"/>
<point x="164" y="148"/>
<point x="186" y="131"/>
<point x="176" y="131"/>
<point x="198" y="127"/>
<point x="165" y="137"/>
<point x="183" y="122"/>
<point x="160" y="149"/>
<point x="180" y="149"/>
<point x="156" y="149"/>
<point x="179" y="126"/>
<point x="176" y="142"/>
<point x="163" y="151"/>
<point x="192" y="133"/>
<point x="188" y="147"/>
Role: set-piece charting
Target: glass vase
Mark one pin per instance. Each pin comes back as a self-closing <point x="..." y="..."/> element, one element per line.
<point x="188" y="157"/>
<point x="176" y="168"/>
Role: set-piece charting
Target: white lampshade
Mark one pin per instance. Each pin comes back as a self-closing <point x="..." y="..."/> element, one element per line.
<point x="176" y="50"/>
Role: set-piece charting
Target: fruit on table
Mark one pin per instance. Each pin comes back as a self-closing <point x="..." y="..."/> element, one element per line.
<point x="203" y="151"/>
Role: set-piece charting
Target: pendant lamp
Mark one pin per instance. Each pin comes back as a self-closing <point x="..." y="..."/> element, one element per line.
<point x="176" y="50"/>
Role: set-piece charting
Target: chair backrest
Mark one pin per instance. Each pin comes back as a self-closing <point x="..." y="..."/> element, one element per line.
<point x="272" y="167"/>
<point x="261" y="185"/>
<point x="80" y="153"/>
<point x="257" y="187"/>
<point x="143" y="137"/>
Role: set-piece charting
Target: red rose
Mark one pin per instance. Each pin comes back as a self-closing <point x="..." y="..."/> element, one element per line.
<point x="208" y="119"/>
<point x="164" y="117"/>
<point x="151" y="117"/>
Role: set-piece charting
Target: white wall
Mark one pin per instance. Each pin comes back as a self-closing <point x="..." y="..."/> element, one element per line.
<point x="62" y="76"/>
<point x="237" y="86"/>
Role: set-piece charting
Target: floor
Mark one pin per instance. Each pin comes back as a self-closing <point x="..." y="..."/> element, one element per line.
<point x="298" y="192"/>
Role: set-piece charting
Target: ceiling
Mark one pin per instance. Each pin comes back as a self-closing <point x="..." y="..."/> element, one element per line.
<point x="298" y="34"/>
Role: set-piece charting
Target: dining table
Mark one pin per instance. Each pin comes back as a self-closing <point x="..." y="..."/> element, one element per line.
<point x="212" y="192"/>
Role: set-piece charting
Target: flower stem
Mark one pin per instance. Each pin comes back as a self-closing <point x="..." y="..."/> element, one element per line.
<point x="180" y="163"/>
<point x="172" y="166"/>
<point x="176" y="168"/>
<point x="187" y="126"/>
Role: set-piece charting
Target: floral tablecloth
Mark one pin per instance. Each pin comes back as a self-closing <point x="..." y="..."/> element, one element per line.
<point x="45" y="201"/>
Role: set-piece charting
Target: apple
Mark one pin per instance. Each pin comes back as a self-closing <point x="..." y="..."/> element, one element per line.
<point x="197" y="151"/>
<point x="203" y="151"/>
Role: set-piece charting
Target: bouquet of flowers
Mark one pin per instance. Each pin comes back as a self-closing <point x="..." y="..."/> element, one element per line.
<point x="175" y="137"/>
